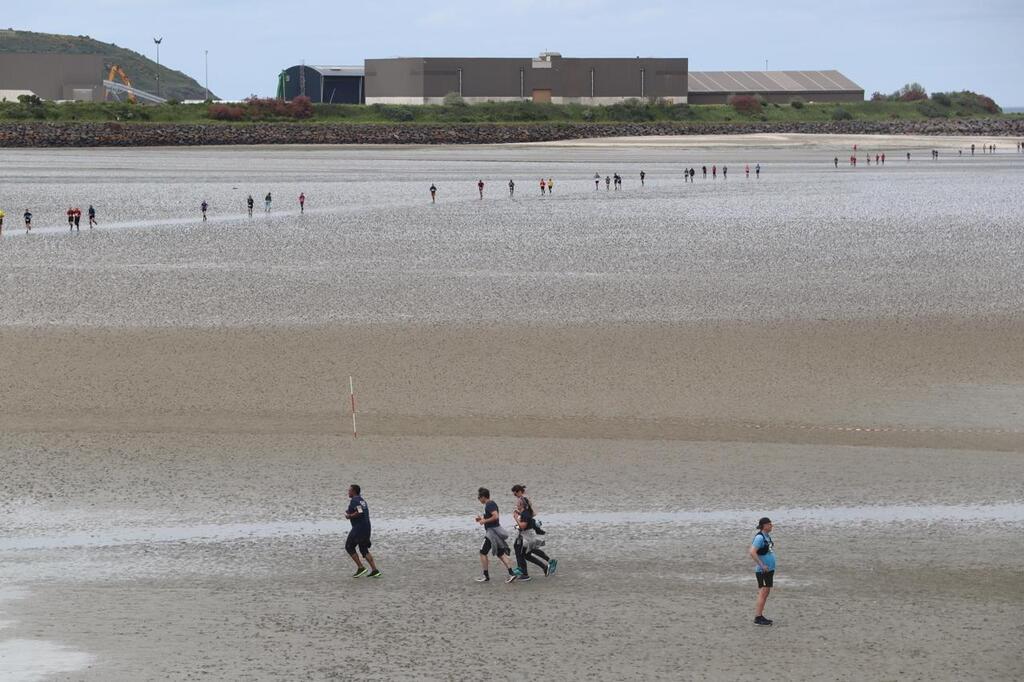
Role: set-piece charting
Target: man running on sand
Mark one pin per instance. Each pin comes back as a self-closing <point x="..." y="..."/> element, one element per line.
<point x="480" y="186"/>
<point x="359" y="514"/>
<point x="250" y="203"/>
<point x="28" y="221"/>
<point x="92" y="217"/>
<point x="763" y="553"/>
<point x="302" y="202"/>
<point x="495" y="537"/>
<point x="511" y="188"/>
<point x="266" y="203"/>
<point x="2" y="214"/>
<point x="433" y="194"/>
<point x="202" y="207"/>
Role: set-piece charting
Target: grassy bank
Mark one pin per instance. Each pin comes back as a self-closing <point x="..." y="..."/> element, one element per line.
<point x="501" y="112"/>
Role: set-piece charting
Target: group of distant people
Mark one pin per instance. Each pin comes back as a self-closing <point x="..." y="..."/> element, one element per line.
<point x="547" y="186"/>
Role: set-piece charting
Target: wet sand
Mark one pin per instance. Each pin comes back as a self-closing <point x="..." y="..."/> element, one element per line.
<point x="174" y="435"/>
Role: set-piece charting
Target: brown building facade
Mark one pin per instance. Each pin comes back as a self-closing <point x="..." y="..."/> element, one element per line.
<point x="53" y="76"/>
<point x="547" y="78"/>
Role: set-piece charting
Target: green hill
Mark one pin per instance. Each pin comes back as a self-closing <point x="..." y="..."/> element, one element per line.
<point x="141" y="70"/>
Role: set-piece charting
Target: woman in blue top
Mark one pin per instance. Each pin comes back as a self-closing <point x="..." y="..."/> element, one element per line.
<point x="763" y="553"/>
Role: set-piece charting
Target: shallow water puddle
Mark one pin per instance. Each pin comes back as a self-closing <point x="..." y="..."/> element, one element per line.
<point x="1010" y="512"/>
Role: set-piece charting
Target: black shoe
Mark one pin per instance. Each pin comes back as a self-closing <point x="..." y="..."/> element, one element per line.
<point x="761" y="620"/>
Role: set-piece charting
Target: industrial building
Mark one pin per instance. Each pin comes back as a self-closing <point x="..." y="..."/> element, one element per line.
<point x="323" y="84"/>
<point x="547" y="78"/>
<point x="53" y="76"/>
<point x="715" y="87"/>
<point x="553" y="78"/>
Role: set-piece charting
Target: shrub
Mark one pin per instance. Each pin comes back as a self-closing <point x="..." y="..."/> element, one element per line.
<point x="796" y="103"/>
<point x="30" y="100"/>
<point x="876" y="96"/>
<point x="631" y="110"/>
<point x="300" y="107"/>
<point x="931" y="109"/>
<point x="748" y="105"/>
<point x="911" y="92"/>
<point x="942" y="99"/>
<point x="454" y="99"/>
<point x="223" y="112"/>
<point x="393" y="113"/>
<point x="840" y="114"/>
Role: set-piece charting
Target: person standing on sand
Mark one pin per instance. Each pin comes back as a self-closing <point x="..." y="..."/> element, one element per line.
<point x="551" y="185"/>
<point x="836" y="161"/>
<point x="725" y="172"/>
<point x="543" y="186"/>
<point x="433" y="193"/>
<point x="71" y="219"/>
<point x="359" y="536"/>
<point x="202" y="207"/>
<point x="480" y="187"/>
<point x="78" y="217"/>
<point x="692" y="173"/>
<point x="607" y="182"/>
<point x="714" y="172"/>
<point x="511" y="188"/>
<point x="92" y="217"/>
<point x="528" y="542"/>
<point x="763" y="553"/>
<point x="757" y="171"/>
<point x="746" y="169"/>
<point x="642" y="176"/>
<point x="302" y="202"/>
<point x="883" y="158"/>
<point x="597" y="182"/>
<point x="28" y="221"/>
<point x="495" y="537"/>
<point x="250" y="203"/>
<point x="266" y="203"/>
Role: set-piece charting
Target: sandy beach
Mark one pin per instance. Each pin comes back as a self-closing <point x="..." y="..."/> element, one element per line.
<point x="838" y="349"/>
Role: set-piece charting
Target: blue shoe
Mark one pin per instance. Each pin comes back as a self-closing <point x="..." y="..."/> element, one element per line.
<point x="552" y="566"/>
<point x="516" y="572"/>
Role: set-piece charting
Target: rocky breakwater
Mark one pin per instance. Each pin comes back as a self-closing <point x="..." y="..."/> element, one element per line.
<point x="37" y="134"/>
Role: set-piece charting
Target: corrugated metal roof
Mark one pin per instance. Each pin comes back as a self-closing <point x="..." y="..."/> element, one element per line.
<point x="770" y="81"/>
<point x="339" y="70"/>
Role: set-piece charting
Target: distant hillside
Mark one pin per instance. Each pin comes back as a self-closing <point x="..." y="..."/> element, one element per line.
<point x="141" y="70"/>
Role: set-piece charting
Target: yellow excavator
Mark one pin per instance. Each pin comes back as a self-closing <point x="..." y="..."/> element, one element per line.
<point x="117" y="72"/>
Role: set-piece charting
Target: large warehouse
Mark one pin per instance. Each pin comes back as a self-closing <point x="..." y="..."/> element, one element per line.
<point x="323" y="84"/>
<point x="715" y="87"/>
<point x="553" y="78"/>
<point x="53" y="76"/>
<point x="547" y="78"/>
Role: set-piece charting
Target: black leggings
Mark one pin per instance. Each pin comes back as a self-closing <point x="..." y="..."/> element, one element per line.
<point x="532" y="556"/>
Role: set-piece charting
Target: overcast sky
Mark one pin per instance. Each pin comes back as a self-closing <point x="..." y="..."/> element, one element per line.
<point x="880" y="44"/>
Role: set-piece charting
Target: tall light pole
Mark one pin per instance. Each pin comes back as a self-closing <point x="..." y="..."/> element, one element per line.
<point x="158" y="41"/>
<point x="206" y="65"/>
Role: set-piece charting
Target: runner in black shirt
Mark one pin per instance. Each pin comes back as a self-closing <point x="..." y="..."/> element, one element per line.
<point x="359" y="514"/>
<point x="495" y="537"/>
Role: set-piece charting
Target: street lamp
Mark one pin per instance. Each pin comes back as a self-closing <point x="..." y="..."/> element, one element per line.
<point x="158" y="41"/>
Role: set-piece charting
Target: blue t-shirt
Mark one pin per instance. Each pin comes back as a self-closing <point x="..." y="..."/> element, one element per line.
<point x="491" y="508"/>
<point x="760" y="540"/>
<point x="362" y="521"/>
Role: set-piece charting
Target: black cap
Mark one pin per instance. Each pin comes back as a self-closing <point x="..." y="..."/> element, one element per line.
<point x="763" y="522"/>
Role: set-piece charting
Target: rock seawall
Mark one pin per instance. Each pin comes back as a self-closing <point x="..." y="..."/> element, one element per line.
<point x="37" y="134"/>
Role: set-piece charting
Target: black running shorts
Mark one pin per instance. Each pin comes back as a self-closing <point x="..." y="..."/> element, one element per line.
<point x="765" y="579"/>
<point x="357" y="539"/>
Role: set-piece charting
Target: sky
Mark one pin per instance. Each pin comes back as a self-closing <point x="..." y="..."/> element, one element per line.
<point x="880" y="44"/>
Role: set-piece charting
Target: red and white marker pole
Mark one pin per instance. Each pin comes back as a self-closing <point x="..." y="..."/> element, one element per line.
<point x="352" y="397"/>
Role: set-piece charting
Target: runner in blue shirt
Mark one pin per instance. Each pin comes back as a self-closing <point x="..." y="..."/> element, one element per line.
<point x="763" y="553"/>
<point x="359" y="514"/>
